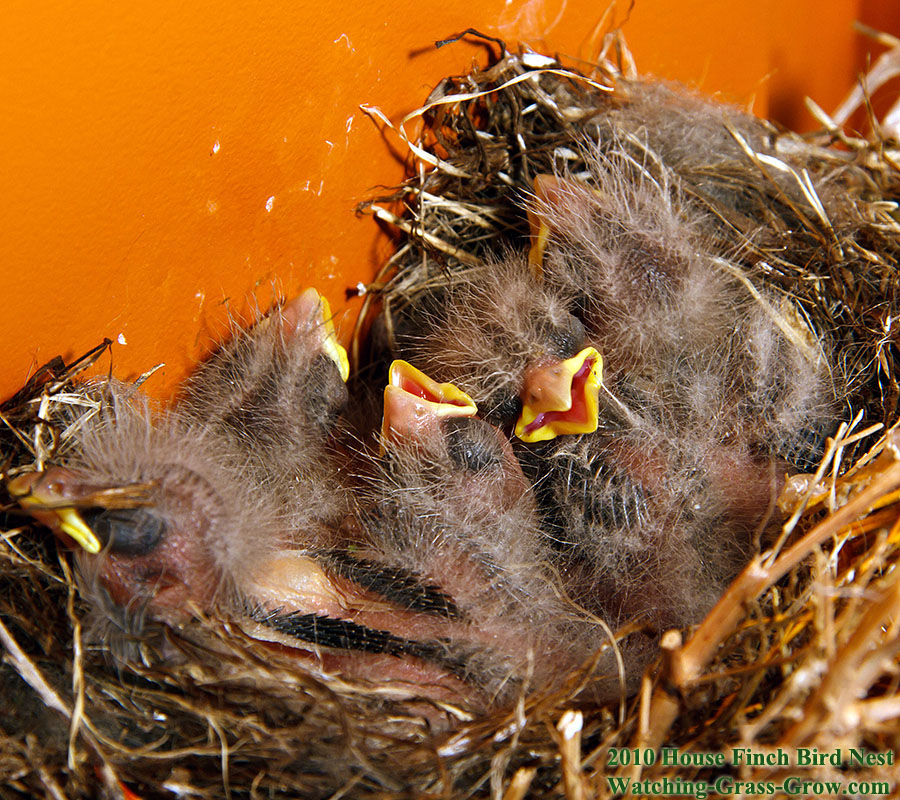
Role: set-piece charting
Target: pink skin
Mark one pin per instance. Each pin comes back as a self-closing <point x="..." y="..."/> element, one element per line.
<point x="749" y="482"/>
<point x="178" y="575"/>
<point x="178" y="572"/>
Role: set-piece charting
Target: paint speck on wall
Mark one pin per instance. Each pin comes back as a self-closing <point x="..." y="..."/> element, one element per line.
<point x="346" y="40"/>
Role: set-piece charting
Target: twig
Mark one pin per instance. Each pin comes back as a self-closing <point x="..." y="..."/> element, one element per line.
<point x="31" y="674"/>
<point x="685" y="663"/>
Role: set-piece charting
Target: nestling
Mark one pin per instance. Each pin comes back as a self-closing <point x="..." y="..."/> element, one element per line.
<point x="188" y="506"/>
<point x="433" y="581"/>
<point x="712" y="388"/>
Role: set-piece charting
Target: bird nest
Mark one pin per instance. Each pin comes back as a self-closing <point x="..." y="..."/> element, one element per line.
<point x="799" y="656"/>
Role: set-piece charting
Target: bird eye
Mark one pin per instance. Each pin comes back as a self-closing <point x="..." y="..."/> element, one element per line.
<point x="562" y="339"/>
<point x="325" y="392"/>
<point x="126" y="531"/>
<point x="502" y="408"/>
<point x="472" y="443"/>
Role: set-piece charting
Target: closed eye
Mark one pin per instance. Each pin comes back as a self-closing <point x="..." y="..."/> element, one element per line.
<point x="126" y="531"/>
<point x="472" y="444"/>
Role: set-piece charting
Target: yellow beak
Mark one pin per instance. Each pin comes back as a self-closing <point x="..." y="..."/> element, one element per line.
<point x="71" y="523"/>
<point x="561" y="398"/>
<point x="333" y="349"/>
<point x="47" y="505"/>
<point x="330" y="345"/>
<point x="412" y="399"/>
<point x="311" y="311"/>
<point x="547" y="190"/>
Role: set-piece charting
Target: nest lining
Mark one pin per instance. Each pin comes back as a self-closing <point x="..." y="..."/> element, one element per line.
<point x="801" y="651"/>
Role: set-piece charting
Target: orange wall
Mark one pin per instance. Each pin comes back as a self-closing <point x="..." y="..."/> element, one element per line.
<point x="161" y="162"/>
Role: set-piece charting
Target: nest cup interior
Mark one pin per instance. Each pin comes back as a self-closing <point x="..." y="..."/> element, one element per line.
<point x="822" y="602"/>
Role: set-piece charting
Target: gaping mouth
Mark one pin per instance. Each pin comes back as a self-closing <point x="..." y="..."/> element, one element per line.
<point x="43" y="495"/>
<point x="561" y="398"/>
<point x="412" y="400"/>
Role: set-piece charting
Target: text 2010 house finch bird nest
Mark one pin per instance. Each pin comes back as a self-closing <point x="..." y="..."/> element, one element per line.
<point x="643" y="494"/>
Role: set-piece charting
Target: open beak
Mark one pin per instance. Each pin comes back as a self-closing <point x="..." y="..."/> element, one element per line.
<point x="412" y="401"/>
<point x="561" y="397"/>
<point x="312" y="310"/>
<point x="43" y="496"/>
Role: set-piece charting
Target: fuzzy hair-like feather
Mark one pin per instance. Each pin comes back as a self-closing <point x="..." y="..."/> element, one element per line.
<point x="271" y="400"/>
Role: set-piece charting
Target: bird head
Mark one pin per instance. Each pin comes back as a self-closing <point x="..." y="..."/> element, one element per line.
<point x="157" y="523"/>
<point x="515" y="346"/>
<point x="153" y="554"/>
<point x="434" y="438"/>
<point x="273" y="394"/>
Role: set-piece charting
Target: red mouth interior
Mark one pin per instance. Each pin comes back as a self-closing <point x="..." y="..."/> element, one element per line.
<point x="578" y="411"/>
<point x="410" y="386"/>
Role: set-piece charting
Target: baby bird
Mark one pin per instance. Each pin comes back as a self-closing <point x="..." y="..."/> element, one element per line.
<point x="161" y="524"/>
<point x="434" y="585"/>
<point x="709" y="386"/>
<point x="705" y="337"/>
<point x="453" y="506"/>
<point x="187" y="507"/>
<point x="270" y="400"/>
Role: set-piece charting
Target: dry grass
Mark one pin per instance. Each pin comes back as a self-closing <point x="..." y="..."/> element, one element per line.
<point x="802" y="651"/>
